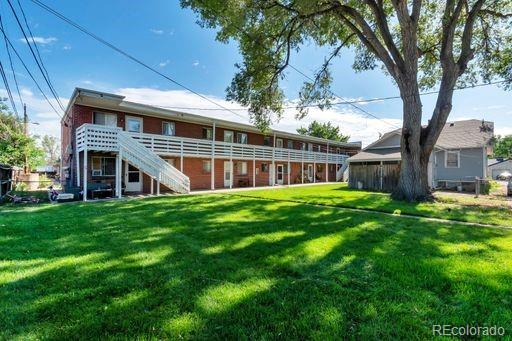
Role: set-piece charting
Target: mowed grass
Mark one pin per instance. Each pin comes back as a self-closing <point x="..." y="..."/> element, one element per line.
<point x="221" y="266"/>
<point x="444" y="207"/>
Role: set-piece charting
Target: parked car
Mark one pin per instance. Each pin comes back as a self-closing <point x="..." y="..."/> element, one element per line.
<point x="509" y="188"/>
<point x="506" y="175"/>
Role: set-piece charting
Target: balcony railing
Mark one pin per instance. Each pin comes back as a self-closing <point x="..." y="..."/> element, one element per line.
<point x="97" y="137"/>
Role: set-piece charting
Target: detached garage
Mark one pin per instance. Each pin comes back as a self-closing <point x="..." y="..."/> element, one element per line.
<point x="498" y="166"/>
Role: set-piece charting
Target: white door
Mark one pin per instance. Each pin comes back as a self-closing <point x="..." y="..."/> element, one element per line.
<point x="227" y="174"/>
<point x="280" y="174"/>
<point x="310" y="173"/>
<point x="133" y="179"/>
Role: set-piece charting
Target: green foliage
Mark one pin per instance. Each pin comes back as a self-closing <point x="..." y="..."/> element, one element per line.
<point x="469" y="41"/>
<point x="503" y="146"/>
<point x="51" y="146"/>
<point x="14" y="145"/>
<point x="224" y="267"/>
<point x="323" y="130"/>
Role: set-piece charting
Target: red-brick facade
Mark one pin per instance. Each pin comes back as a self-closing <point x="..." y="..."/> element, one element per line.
<point x="192" y="166"/>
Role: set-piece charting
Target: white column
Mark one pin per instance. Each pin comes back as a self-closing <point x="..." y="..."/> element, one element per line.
<point x="119" y="184"/>
<point x="231" y="166"/>
<point x="273" y="174"/>
<point x="158" y="184"/>
<point x="213" y="159"/>
<point x="151" y="180"/>
<point x="314" y="167"/>
<point x="85" y="174"/>
<point x="181" y="156"/>
<point x="78" y="169"/>
<point x="289" y="168"/>
<point x="254" y="167"/>
<point x="327" y="164"/>
<point x="118" y="175"/>
<point x="302" y="168"/>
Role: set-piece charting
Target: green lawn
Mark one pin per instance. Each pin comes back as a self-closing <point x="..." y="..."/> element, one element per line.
<point x="222" y="266"/>
<point x="468" y="209"/>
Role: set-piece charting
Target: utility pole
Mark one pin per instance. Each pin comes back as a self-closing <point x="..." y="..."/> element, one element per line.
<point x="25" y="131"/>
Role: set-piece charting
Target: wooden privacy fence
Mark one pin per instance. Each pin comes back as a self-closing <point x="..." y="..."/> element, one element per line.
<point x="376" y="176"/>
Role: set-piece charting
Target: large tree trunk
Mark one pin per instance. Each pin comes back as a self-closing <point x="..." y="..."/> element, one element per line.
<point x="413" y="179"/>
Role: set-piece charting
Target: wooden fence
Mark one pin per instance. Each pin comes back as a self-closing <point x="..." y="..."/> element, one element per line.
<point x="376" y="176"/>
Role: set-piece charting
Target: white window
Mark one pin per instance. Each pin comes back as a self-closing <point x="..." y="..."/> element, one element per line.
<point x="103" y="166"/>
<point x="319" y="148"/>
<point x="241" y="138"/>
<point x="290" y="144"/>
<point x="452" y="159"/>
<point x="279" y="143"/>
<point x="207" y="166"/>
<point x="228" y="136"/>
<point x="310" y="147"/>
<point x="303" y="146"/>
<point x="168" y="128"/>
<point x="242" y="168"/>
<point x="208" y="133"/>
<point x="134" y="124"/>
<point x="104" y="119"/>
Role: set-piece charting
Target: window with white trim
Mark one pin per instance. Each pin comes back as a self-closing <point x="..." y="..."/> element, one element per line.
<point x="242" y="168"/>
<point x="452" y="159"/>
<point x="103" y="166"/>
<point x="290" y="144"/>
<point x="168" y="128"/>
<point x="279" y="143"/>
<point x="241" y="138"/>
<point x="208" y="133"/>
<point x="228" y="136"/>
<point x="207" y="166"/>
<point x="104" y="119"/>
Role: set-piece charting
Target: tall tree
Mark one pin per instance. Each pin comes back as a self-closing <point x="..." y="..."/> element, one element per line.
<point x="420" y="44"/>
<point x="503" y="146"/>
<point x="51" y="148"/>
<point x="14" y="145"/>
<point x="323" y="130"/>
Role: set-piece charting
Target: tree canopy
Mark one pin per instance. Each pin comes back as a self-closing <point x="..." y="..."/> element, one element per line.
<point x="14" y="145"/>
<point x="323" y="130"/>
<point x="503" y="146"/>
<point x="420" y="44"/>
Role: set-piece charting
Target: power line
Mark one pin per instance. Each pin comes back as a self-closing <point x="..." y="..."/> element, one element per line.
<point x="32" y="37"/>
<point x="29" y="73"/>
<point x="7" y="88"/>
<point x="11" y="64"/>
<point x="39" y="64"/>
<point x="126" y="54"/>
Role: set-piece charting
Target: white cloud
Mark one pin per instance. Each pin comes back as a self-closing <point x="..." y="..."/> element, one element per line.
<point x="195" y="63"/>
<point x="66" y="47"/>
<point x="359" y="127"/>
<point x="41" y="40"/>
<point x="164" y="63"/>
<point x="157" y="31"/>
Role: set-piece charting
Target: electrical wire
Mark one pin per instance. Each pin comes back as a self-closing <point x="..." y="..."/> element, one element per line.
<point x="11" y="64"/>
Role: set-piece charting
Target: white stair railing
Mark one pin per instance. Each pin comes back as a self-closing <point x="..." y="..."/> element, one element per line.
<point x="151" y="164"/>
<point x="339" y="173"/>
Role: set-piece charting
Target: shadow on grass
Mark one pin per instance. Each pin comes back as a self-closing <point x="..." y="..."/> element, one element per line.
<point x="226" y="267"/>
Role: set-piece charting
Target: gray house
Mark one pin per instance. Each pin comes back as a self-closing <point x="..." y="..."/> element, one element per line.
<point x="459" y="157"/>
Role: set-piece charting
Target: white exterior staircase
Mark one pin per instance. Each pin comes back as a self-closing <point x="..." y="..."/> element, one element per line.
<point x="101" y="138"/>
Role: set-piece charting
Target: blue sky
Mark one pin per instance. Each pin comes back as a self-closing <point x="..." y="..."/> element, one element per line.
<point x="168" y="38"/>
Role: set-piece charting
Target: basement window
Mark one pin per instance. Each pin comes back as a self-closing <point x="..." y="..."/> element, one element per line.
<point x="207" y="166"/>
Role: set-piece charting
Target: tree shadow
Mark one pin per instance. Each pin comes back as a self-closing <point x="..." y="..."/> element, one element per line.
<point x="221" y="266"/>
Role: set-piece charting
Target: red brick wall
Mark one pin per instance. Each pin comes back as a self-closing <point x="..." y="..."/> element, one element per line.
<point x="192" y="166"/>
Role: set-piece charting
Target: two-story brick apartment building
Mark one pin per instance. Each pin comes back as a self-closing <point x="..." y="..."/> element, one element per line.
<point x="138" y="148"/>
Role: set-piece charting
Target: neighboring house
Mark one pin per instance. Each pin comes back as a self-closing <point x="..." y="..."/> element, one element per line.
<point x="460" y="155"/>
<point x="108" y="142"/>
<point x="498" y="166"/>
